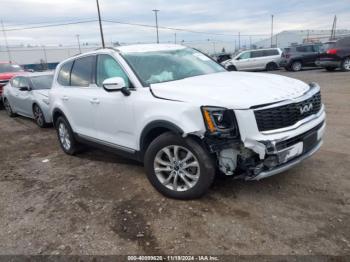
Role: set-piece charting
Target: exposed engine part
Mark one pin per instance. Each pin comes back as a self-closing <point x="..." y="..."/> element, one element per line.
<point x="228" y="160"/>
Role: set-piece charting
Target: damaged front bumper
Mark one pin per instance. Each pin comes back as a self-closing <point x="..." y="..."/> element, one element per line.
<point x="257" y="155"/>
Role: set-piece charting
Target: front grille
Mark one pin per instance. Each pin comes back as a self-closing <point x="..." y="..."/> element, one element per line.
<point x="287" y="115"/>
<point x="294" y="140"/>
<point x="3" y="82"/>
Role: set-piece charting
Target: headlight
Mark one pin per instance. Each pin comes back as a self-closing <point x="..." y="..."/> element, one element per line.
<point x="219" y="120"/>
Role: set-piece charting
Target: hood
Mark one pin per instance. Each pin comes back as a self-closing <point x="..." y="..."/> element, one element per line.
<point x="9" y="75"/>
<point x="237" y="90"/>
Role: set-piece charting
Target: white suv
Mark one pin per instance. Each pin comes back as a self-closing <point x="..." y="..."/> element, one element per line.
<point x="185" y="116"/>
<point x="251" y="60"/>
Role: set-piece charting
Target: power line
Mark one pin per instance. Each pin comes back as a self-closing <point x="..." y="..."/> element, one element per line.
<point x="50" y="25"/>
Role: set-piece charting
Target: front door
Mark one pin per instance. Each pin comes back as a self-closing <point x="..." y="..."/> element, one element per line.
<point x="114" y="116"/>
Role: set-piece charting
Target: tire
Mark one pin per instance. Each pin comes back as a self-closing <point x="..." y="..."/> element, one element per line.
<point x="199" y="174"/>
<point x="231" y="68"/>
<point x="66" y="136"/>
<point x="296" y="66"/>
<point x="8" y="108"/>
<point x="330" y="69"/>
<point x="271" y="66"/>
<point x="39" y="116"/>
<point x="345" y="64"/>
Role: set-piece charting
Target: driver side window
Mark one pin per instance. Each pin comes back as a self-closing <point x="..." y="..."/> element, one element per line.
<point x="108" y="67"/>
<point x="245" y="55"/>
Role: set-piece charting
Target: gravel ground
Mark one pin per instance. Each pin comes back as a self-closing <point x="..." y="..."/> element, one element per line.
<point x="97" y="203"/>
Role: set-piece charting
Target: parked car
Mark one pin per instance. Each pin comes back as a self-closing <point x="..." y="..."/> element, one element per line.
<point x="252" y="60"/>
<point x="28" y="95"/>
<point x="7" y="71"/>
<point x="184" y="116"/>
<point x="336" y="55"/>
<point x="295" y="58"/>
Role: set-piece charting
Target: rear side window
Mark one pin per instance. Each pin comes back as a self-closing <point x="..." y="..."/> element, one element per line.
<point x="345" y="42"/>
<point x="305" y="49"/>
<point x="82" y="71"/>
<point x="41" y="82"/>
<point x="255" y="54"/>
<point x="271" y="52"/>
<point x="64" y="74"/>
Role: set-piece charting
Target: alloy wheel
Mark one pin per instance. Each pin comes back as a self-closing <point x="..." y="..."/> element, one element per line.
<point x="8" y="107"/>
<point x="39" y="116"/>
<point x="64" y="136"/>
<point x="296" y="66"/>
<point x="177" y="168"/>
<point x="346" y="64"/>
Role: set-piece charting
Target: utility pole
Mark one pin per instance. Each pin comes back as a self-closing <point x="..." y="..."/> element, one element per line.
<point x="156" y="15"/>
<point x="175" y="38"/>
<point x="271" y="29"/>
<point x="6" y="43"/>
<point x="250" y="42"/>
<point x="334" y="28"/>
<point x="78" y="39"/>
<point x="100" y="22"/>
<point x="239" y="40"/>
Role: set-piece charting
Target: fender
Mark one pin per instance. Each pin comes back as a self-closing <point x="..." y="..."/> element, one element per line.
<point x="156" y="124"/>
<point x="57" y="110"/>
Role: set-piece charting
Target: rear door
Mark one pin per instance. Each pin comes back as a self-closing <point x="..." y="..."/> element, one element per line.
<point x="258" y="60"/>
<point x="78" y="92"/>
<point x="308" y="54"/>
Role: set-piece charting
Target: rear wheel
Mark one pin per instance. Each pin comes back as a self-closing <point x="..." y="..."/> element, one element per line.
<point x="271" y="66"/>
<point x="8" y="108"/>
<point x="330" y="69"/>
<point x="345" y="64"/>
<point x="296" y="66"/>
<point x="39" y="116"/>
<point x="66" y="136"/>
<point x="179" y="168"/>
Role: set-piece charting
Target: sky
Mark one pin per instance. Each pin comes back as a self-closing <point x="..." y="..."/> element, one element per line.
<point x="226" y="17"/>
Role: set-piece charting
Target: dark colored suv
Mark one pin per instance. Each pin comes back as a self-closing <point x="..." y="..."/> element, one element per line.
<point x="336" y="55"/>
<point x="294" y="58"/>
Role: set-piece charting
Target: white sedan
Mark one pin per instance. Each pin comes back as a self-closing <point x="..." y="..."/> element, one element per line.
<point x="27" y="95"/>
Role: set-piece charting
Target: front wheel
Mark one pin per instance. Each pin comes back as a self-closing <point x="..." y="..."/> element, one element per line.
<point x="296" y="66"/>
<point x="179" y="168"/>
<point x="8" y="108"/>
<point x="345" y="64"/>
<point x="39" y="116"/>
<point x="231" y="68"/>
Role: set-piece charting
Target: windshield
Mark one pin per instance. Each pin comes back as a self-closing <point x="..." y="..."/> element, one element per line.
<point x="41" y="82"/>
<point x="5" y="68"/>
<point x="170" y="65"/>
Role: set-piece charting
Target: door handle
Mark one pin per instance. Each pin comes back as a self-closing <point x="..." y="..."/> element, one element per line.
<point x="94" y="101"/>
<point x="65" y="98"/>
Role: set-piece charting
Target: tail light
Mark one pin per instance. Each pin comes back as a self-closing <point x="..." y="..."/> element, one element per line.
<point x="332" y="51"/>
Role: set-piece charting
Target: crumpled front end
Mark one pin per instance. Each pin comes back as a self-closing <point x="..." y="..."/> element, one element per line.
<point x="273" y="138"/>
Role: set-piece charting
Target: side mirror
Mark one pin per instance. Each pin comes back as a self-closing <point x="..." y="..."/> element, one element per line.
<point x="238" y="58"/>
<point x="114" y="84"/>
<point x="25" y="88"/>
